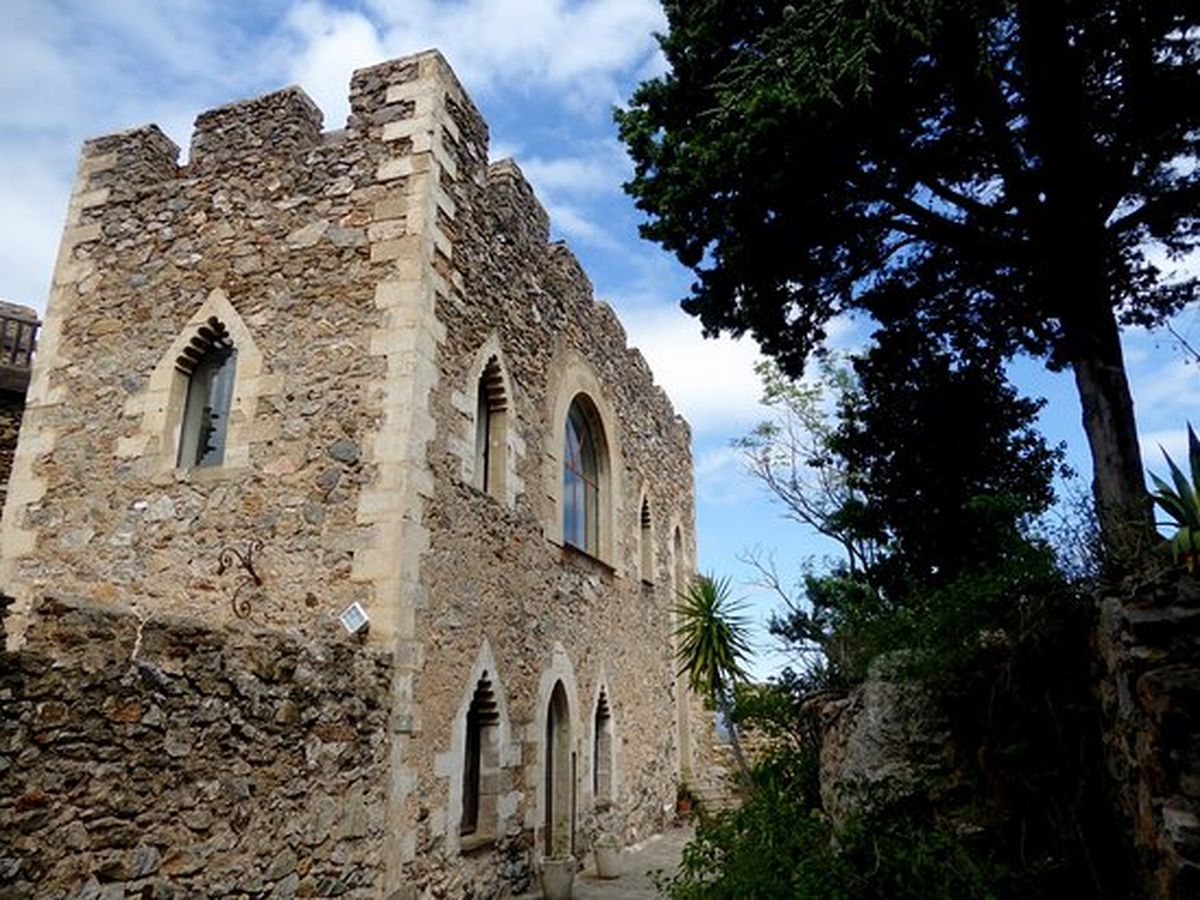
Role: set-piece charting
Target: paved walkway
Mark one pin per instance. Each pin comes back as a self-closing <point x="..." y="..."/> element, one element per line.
<point x="661" y="852"/>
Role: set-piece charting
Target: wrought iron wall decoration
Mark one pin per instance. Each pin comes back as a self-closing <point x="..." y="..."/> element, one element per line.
<point x="231" y="557"/>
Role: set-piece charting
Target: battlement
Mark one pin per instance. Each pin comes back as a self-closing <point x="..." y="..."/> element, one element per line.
<point x="400" y="110"/>
<point x="399" y="103"/>
<point x="521" y="219"/>
<point x="266" y="131"/>
<point x="514" y="204"/>
<point x="128" y="159"/>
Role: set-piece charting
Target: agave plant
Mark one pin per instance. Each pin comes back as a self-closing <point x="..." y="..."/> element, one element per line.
<point x="1182" y="503"/>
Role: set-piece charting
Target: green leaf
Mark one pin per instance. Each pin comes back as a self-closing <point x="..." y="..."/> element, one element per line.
<point x="1172" y="506"/>
<point x="1182" y="488"/>
<point x="1180" y="501"/>
<point x="712" y="637"/>
<point x="1194" y="456"/>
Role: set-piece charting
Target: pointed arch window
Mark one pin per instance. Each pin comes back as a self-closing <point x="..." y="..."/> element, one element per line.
<point x="209" y="361"/>
<point x="481" y="762"/>
<point x="602" y="752"/>
<point x="583" y="468"/>
<point x="646" y="543"/>
<point x="491" y="424"/>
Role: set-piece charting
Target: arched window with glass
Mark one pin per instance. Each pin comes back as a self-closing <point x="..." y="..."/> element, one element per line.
<point x="583" y="470"/>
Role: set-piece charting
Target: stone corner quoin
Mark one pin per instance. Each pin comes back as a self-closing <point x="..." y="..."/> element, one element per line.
<point x="394" y="351"/>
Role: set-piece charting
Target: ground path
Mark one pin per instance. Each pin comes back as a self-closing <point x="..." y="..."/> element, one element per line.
<point x="659" y="853"/>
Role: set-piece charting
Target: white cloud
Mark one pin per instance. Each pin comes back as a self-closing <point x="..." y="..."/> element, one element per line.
<point x="575" y="223"/>
<point x="576" y="53"/>
<point x="574" y="49"/>
<point x="1169" y="390"/>
<point x="504" y="149"/>
<point x="601" y="172"/>
<point x="1174" y="441"/>
<point x="333" y="44"/>
<point x="721" y="477"/>
<point x="33" y="195"/>
<point x="711" y="382"/>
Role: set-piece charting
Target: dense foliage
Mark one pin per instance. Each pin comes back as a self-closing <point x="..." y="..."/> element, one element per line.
<point x="945" y="454"/>
<point x="931" y="477"/>
<point x="1002" y="167"/>
<point x="1024" y="814"/>
<point x="779" y="845"/>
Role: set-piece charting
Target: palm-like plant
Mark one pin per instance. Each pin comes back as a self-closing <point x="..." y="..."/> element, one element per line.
<point x="712" y="647"/>
<point x="1181" y="502"/>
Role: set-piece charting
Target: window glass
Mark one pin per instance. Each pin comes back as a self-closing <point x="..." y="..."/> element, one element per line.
<point x="581" y="492"/>
<point x="206" y="409"/>
<point x="483" y="437"/>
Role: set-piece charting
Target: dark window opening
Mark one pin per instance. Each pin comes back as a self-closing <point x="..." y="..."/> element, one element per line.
<point x="209" y="361"/>
<point x="647" y="543"/>
<point x="491" y="405"/>
<point x="481" y="762"/>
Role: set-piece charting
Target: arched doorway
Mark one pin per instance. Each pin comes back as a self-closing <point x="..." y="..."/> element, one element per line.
<point x="560" y="776"/>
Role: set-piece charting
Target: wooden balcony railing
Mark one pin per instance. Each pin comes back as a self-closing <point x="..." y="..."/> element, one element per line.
<point x="18" y="341"/>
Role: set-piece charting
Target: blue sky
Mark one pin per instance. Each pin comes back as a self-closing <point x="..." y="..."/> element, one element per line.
<point x="545" y="74"/>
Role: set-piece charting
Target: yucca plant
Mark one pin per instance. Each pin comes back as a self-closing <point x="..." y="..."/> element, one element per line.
<point x="1182" y="503"/>
<point x="712" y="646"/>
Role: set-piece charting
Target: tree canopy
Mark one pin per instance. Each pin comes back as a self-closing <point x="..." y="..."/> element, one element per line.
<point x="927" y="470"/>
<point x="946" y="457"/>
<point x="1001" y="169"/>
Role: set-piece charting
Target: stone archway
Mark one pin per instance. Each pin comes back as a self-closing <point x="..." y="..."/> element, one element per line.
<point x="560" y="766"/>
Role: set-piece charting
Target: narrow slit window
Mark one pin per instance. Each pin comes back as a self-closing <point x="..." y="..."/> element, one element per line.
<point x="491" y="424"/>
<point x="481" y="763"/>
<point x="209" y="362"/>
<point x="602" y="753"/>
<point x="646" y="542"/>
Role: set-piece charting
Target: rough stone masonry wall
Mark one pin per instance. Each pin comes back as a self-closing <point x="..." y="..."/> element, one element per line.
<point x="492" y="574"/>
<point x="289" y="234"/>
<point x="11" y="408"/>
<point x="160" y="758"/>
<point x="1148" y="639"/>
<point x="360" y="272"/>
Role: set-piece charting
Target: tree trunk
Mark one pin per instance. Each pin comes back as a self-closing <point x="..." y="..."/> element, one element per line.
<point x="1118" y="482"/>
<point x="1070" y="241"/>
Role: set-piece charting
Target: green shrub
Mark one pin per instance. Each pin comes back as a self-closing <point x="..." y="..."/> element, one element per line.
<point x="780" y="845"/>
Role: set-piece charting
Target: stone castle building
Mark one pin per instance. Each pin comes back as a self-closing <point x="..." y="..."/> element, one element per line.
<point x="301" y="372"/>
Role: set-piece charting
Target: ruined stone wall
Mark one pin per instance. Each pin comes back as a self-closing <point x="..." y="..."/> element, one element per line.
<point x="1147" y="640"/>
<point x="163" y="758"/>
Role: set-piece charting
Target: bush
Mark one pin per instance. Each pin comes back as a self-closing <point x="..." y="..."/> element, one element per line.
<point x="1004" y="650"/>
<point x="780" y="845"/>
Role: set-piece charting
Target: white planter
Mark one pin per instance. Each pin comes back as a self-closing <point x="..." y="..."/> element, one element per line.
<point x="608" y="860"/>
<point x="558" y="877"/>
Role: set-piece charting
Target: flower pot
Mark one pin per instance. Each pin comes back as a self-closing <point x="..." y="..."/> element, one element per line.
<point x="608" y="860"/>
<point x="558" y="877"/>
